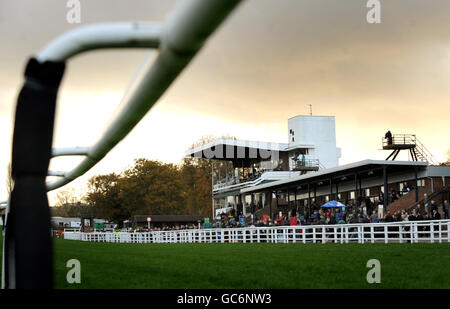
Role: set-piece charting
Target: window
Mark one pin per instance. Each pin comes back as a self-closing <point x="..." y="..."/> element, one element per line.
<point x="352" y="195"/>
<point x="367" y="192"/>
<point x="327" y="198"/>
<point x="421" y="183"/>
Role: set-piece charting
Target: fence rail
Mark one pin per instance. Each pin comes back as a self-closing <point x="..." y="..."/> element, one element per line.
<point x="177" y="39"/>
<point x="398" y="232"/>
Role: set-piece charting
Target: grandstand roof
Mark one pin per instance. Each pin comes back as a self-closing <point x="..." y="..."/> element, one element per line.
<point x="231" y="149"/>
<point x="373" y="166"/>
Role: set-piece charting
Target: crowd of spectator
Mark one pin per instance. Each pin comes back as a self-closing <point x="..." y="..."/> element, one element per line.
<point x="320" y="216"/>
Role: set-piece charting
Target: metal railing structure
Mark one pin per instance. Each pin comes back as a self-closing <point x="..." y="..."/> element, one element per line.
<point x="396" y="232"/>
<point x="418" y="151"/>
<point x="265" y="176"/>
<point x="27" y="257"/>
<point x="307" y="165"/>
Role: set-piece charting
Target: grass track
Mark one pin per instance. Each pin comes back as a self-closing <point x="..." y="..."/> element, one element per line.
<point x="274" y="266"/>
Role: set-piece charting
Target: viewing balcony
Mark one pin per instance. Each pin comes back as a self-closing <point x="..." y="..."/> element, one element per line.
<point x="234" y="183"/>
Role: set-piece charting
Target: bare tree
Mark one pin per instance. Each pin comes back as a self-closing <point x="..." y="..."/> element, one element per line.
<point x="66" y="197"/>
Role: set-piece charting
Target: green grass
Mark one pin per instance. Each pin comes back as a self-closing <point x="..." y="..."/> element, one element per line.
<point x="256" y="266"/>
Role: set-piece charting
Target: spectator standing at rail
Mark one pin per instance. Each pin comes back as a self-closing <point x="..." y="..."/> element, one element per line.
<point x="388" y="136"/>
<point x="445" y="207"/>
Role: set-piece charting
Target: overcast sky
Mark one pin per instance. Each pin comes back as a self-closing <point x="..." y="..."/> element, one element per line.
<point x="267" y="63"/>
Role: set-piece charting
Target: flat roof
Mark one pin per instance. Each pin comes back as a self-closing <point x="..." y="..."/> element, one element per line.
<point x="227" y="149"/>
<point x="335" y="170"/>
<point x="312" y="116"/>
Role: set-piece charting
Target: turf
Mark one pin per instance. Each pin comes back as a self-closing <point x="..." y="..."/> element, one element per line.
<point x="255" y="266"/>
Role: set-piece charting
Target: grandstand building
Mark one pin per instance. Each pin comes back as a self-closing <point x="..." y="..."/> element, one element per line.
<point x="299" y="176"/>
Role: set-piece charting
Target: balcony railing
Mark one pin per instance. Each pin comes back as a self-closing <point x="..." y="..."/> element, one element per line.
<point x="407" y="140"/>
<point x="234" y="183"/>
<point x="306" y="165"/>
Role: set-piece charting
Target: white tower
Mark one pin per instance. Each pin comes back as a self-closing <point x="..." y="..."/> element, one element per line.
<point x="319" y="133"/>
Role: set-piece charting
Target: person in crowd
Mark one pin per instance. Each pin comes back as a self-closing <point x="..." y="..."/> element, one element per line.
<point x="419" y="216"/>
<point x="316" y="215"/>
<point x="404" y="216"/>
<point x="435" y="215"/>
<point x="393" y="196"/>
<point x="388" y="218"/>
<point x="413" y="215"/>
<point x="323" y="219"/>
<point x="445" y="208"/>
<point x="408" y="188"/>
<point x="374" y="216"/>
<point x="433" y="206"/>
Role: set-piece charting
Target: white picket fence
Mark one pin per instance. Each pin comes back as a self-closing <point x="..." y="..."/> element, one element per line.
<point x="396" y="232"/>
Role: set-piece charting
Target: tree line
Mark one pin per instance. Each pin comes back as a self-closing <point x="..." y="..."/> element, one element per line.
<point x="146" y="188"/>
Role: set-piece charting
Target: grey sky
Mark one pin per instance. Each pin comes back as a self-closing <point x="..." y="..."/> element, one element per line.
<point x="268" y="61"/>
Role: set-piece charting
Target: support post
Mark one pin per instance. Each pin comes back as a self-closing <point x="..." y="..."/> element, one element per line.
<point x="315" y="199"/>
<point x="331" y="188"/>
<point x="270" y="205"/>
<point x="337" y="189"/>
<point x="276" y="196"/>
<point x="288" y="201"/>
<point x="385" y="185"/>
<point x="309" y="196"/>
<point x="416" y="189"/>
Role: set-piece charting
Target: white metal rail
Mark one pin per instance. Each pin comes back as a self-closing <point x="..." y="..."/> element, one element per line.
<point x="27" y="261"/>
<point x="178" y="39"/>
<point x="397" y="232"/>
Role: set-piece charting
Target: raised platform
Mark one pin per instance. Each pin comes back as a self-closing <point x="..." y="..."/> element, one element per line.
<point x="398" y="146"/>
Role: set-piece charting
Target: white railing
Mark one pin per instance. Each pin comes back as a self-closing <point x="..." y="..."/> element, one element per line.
<point x="269" y="175"/>
<point x="397" y="232"/>
<point x="177" y="41"/>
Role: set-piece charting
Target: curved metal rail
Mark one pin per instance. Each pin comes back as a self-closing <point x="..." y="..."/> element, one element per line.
<point x="178" y="40"/>
<point x="27" y="259"/>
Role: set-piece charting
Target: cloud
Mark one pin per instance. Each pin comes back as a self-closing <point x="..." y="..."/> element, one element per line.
<point x="267" y="62"/>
